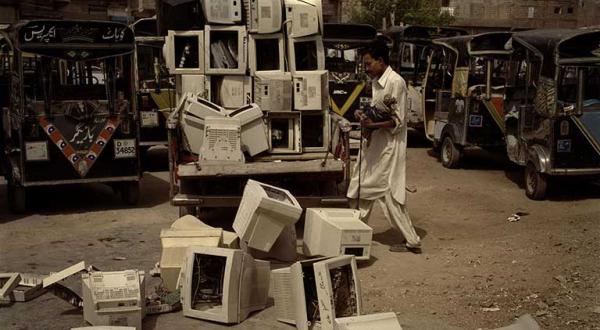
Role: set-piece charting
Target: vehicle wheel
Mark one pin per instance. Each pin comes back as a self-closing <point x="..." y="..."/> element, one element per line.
<point x="449" y="153"/>
<point x="536" y="183"/>
<point x="17" y="201"/>
<point x="130" y="192"/>
<point x="187" y="210"/>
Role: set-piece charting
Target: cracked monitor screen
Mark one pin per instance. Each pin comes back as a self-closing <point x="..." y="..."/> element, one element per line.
<point x="186" y="52"/>
<point x="305" y="53"/>
<point x="224" y="49"/>
<point x="207" y="281"/>
<point x="267" y="54"/>
<point x="344" y="293"/>
<point x="310" y="294"/>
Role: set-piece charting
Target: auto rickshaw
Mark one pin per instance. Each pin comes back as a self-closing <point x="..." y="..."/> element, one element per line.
<point x="465" y="84"/>
<point x="553" y="106"/>
<point x="68" y="107"/>
<point x="349" y="85"/>
<point x="411" y="47"/>
<point x="154" y="85"/>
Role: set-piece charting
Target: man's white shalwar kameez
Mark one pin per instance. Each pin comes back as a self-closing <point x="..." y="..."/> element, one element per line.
<point x="383" y="163"/>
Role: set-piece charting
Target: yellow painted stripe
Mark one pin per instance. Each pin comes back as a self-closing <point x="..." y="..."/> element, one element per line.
<point x="349" y="101"/>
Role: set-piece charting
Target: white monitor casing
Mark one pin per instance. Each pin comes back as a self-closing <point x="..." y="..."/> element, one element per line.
<point x="244" y="289"/>
<point x="171" y="57"/>
<point x="254" y="130"/>
<point x="222" y="11"/>
<point x="273" y="91"/>
<point x="304" y="17"/>
<point x="311" y="90"/>
<point x="254" y="57"/>
<point x="263" y="213"/>
<point x="331" y="232"/>
<point x="233" y="92"/>
<point x="193" y="117"/>
<point x="295" y="46"/>
<point x="222" y="141"/>
<point x="215" y="49"/>
<point x="387" y="321"/>
<point x="292" y="132"/>
<point x="265" y="16"/>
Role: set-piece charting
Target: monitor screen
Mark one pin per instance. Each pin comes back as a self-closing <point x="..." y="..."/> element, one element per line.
<point x="344" y="291"/>
<point x="224" y="49"/>
<point x="306" y="55"/>
<point x="280" y="133"/>
<point x="267" y="54"/>
<point x="208" y="276"/>
<point x="313" y="127"/>
<point x="311" y="298"/>
<point x="187" y="55"/>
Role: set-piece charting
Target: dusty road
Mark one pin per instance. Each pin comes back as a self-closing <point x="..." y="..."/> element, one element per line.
<point x="477" y="271"/>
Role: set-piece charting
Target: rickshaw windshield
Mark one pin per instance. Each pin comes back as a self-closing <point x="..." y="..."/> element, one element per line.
<point x="53" y="79"/>
<point x="150" y="64"/>
<point x="342" y="61"/>
<point x="581" y="82"/>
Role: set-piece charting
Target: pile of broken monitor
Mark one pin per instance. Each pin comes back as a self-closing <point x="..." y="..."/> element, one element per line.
<point x="221" y="276"/>
<point x="258" y="75"/>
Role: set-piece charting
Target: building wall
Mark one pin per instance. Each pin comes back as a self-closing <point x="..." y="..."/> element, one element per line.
<point x="480" y="15"/>
<point x="11" y="11"/>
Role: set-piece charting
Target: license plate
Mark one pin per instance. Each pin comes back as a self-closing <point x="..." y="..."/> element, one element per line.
<point x="125" y="148"/>
<point x="35" y="151"/>
<point x="149" y="119"/>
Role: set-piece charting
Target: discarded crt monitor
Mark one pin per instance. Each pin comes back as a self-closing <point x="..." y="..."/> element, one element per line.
<point x="294" y="291"/>
<point x="263" y="213"/>
<point x="174" y="247"/>
<point x="254" y="130"/>
<point x="231" y="92"/>
<point x="284" y="249"/>
<point x="266" y="53"/>
<point x="265" y="16"/>
<point x="285" y="132"/>
<point x="185" y="52"/>
<point x="306" y="54"/>
<point x="338" y="289"/>
<point x="114" y="298"/>
<point x="304" y="17"/>
<point x="273" y="91"/>
<point x="332" y="232"/>
<point x="222" y="141"/>
<point x="222" y="11"/>
<point x="193" y="117"/>
<point x="225" y="50"/>
<point x="223" y="285"/>
<point x="387" y="321"/>
<point x="311" y="90"/>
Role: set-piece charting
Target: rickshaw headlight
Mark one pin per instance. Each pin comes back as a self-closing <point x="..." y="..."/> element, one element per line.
<point x="564" y="128"/>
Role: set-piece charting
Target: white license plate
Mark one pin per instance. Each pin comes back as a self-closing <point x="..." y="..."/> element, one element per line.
<point x="125" y="148"/>
<point x="35" y="151"/>
<point x="149" y="119"/>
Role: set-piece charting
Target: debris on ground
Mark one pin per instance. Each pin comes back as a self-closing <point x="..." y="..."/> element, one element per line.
<point x="525" y="322"/>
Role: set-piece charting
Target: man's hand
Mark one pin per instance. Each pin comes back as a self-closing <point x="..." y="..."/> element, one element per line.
<point x="367" y="122"/>
<point x="360" y="115"/>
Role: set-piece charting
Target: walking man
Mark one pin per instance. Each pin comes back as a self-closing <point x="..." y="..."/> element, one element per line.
<point x="383" y="160"/>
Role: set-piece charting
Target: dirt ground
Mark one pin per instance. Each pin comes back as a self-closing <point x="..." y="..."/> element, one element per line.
<point x="478" y="271"/>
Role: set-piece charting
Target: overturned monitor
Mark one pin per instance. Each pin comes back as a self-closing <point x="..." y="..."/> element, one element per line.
<point x="294" y="291"/>
<point x="306" y="54"/>
<point x="273" y="91"/>
<point x="185" y="52"/>
<point x="222" y="141"/>
<point x="303" y="17"/>
<point x="193" y="118"/>
<point x="225" y="51"/>
<point x="285" y="136"/>
<point x="114" y="298"/>
<point x="315" y="131"/>
<point x="338" y="289"/>
<point x="311" y="90"/>
<point x="266" y="53"/>
<point x="254" y="130"/>
<point x="174" y="244"/>
<point x="263" y="213"/>
<point x="223" y="285"/>
<point x="332" y="232"/>
<point x="222" y="11"/>
<point x="265" y="16"/>
<point x="387" y="321"/>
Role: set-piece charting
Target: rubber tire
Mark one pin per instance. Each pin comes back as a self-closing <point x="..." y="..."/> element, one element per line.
<point x="450" y="155"/>
<point x="130" y="192"/>
<point x="17" y="199"/>
<point x="536" y="183"/>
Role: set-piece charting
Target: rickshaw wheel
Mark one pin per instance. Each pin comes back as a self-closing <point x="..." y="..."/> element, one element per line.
<point x="130" y="192"/>
<point x="536" y="183"/>
<point x="449" y="154"/>
<point x="17" y="201"/>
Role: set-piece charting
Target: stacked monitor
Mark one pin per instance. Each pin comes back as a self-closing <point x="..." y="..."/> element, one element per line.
<point x="267" y="52"/>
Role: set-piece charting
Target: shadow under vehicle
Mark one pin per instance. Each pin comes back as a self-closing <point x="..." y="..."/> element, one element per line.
<point x="155" y="87"/>
<point x="466" y="78"/>
<point x="68" y="107"/>
<point x="410" y="53"/>
<point x="553" y="103"/>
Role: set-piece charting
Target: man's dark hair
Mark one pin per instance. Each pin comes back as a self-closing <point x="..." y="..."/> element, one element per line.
<point x="378" y="49"/>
